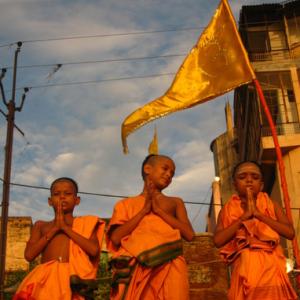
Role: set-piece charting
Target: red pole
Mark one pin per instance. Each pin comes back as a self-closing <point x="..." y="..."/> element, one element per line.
<point x="285" y="192"/>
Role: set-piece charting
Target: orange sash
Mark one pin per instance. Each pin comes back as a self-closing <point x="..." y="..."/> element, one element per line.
<point x="51" y="280"/>
<point x="148" y="263"/>
<point x="253" y="233"/>
<point x="258" y="263"/>
<point x="150" y="233"/>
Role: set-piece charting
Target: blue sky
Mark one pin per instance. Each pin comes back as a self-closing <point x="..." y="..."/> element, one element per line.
<point x="74" y="130"/>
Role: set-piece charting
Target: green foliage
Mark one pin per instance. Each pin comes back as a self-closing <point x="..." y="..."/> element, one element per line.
<point x="12" y="280"/>
<point x="104" y="275"/>
<point x="104" y="278"/>
<point x="293" y="278"/>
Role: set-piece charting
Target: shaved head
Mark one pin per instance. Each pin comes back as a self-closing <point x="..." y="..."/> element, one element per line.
<point x="72" y="181"/>
<point x="151" y="159"/>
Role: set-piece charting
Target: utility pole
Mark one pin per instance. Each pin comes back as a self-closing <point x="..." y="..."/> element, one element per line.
<point x="11" y="107"/>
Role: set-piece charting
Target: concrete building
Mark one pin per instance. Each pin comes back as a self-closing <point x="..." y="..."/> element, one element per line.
<point x="225" y="157"/>
<point x="271" y="35"/>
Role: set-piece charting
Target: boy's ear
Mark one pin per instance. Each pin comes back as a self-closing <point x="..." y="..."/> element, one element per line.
<point x="50" y="201"/>
<point x="233" y="184"/>
<point x="77" y="201"/>
<point x="147" y="169"/>
<point x="262" y="186"/>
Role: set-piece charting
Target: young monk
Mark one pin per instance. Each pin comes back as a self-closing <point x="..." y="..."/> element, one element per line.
<point x="69" y="247"/>
<point x="248" y="231"/>
<point x="145" y="234"/>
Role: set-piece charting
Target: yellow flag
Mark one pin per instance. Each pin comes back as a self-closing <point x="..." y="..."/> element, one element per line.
<point x="217" y="64"/>
<point x="153" y="147"/>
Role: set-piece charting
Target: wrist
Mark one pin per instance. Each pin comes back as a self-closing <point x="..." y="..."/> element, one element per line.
<point x="158" y="211"/>
<point x="243" y="218"/>
<point x="144" y="210"/>
<point x="65" y="228"/>
<point x="257" y="215"/>
<point x="47" y="237"/>
<point x="50" y="234"/>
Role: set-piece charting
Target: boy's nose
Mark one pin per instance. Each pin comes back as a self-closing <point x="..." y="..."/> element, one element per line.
<point x="249" y="178"/>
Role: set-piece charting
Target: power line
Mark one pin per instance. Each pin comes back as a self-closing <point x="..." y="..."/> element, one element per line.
<point x="102" y="35"/>
<point x="128" y="33"/>
<point x="200" y="209"/>
<point x="89" y="193"/>
<point x="99" y="61"/>
<point x="83" y="193"/>
<point x="95" y="81"/>
<point x="116" y="196"/>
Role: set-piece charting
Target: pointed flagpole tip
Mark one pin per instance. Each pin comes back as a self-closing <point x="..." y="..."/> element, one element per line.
<point x="125" y="147"/>
<point x="124" y="135"/>
<point x="125" y="150"/>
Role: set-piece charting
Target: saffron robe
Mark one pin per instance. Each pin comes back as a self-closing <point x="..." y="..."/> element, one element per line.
<point x="258" y="263"/>
<point x="149" y="264"/>
<point x="51" y="280"/>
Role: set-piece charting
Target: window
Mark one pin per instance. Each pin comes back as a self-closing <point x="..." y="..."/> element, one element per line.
<point x="293" y="23"/>
<point x="258" y="41"/>
<point x="280" y="97"/>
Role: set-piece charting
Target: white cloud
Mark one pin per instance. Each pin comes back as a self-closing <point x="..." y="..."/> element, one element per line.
<point x="75" y="130"/>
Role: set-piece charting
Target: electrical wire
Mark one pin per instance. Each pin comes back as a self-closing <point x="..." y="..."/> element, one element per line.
<point x="200" y="209"/>
<point x="95" y="81"/>
<point x="129" y="33"/>
<point x="117" y="196"/>
<point x="102" y="35"/>
<point x="89" y="193"/>
<point x="98" y="61"/>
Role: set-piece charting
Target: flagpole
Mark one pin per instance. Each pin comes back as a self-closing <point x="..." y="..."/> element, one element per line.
<point x="286" y="196"/>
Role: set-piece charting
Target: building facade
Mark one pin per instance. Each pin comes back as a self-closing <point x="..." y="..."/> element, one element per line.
<point x="225" y="157"/>
<point x="271" y="35"/>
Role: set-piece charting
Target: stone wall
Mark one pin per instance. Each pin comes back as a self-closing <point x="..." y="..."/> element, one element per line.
<point x="18" y="232"/>
<point x="208" y="275"/>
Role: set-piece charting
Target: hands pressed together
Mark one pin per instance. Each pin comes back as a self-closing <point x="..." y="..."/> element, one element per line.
<point x="59" y="221"/>
<point x="152" y="196"/>
<point x="251" y="210"/>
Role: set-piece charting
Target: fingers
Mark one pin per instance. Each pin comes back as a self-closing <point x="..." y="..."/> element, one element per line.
<point x="59" y="208"/>
<point x="150" y="185"/>
<point x="250" y="201"/>
<point x="150" y="189"/>
<point x="249" y="194"/>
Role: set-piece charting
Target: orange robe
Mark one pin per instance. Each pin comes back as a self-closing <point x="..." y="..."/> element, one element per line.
<point x="149" y="264"/>
<point x="51" y="280"/>
<point x="258" y="263"/>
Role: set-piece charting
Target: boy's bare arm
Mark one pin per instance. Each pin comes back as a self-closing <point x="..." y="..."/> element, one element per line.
<point x="89" y="246"/>
<point x="224" y="235"/>
<point x="38" y="240"/>
<point x="181" y="220"/>
<point x="117" y="232"/>
<point x="282" y="225"/>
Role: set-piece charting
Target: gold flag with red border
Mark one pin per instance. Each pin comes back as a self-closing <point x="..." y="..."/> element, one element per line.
<point x="217" y="64"/>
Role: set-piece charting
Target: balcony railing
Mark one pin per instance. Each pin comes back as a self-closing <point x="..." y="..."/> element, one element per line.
<point x="282" y="129"/>
<point x="275" y="55"/>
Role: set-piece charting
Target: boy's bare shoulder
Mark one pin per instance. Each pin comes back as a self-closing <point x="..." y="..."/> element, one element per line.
<point x="42" y="224"/>
<point x="174" y="199"/>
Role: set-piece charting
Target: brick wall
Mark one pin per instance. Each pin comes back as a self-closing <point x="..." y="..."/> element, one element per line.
<point x="208" y="275"/>
<point x="18" y="232"/>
